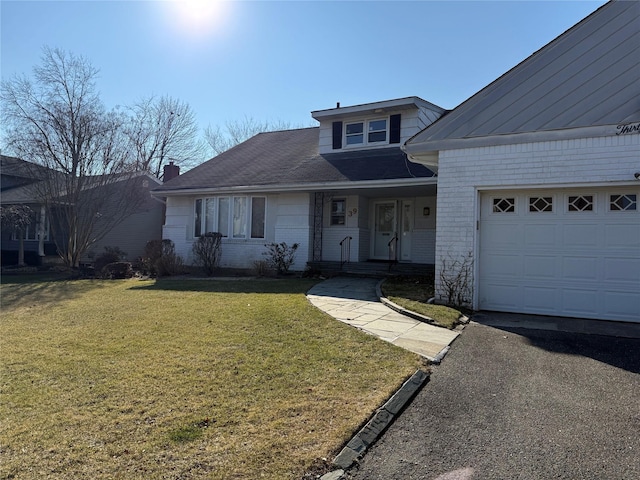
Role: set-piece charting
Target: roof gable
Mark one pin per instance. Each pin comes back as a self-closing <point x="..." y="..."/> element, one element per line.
<point x="586" y="77"/>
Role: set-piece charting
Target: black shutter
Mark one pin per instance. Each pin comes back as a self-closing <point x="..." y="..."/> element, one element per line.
<point x="394" y="128"/>
<point x="337" y="135"/>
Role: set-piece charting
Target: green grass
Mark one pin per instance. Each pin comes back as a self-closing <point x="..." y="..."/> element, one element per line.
<point x="413" y="293"/>
<point x="181" y="379"/>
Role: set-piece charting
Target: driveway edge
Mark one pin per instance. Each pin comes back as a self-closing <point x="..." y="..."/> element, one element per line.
<point x="383" y="417"/>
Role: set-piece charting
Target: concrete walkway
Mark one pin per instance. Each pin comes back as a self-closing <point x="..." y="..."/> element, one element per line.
<point x="355" y="301"/>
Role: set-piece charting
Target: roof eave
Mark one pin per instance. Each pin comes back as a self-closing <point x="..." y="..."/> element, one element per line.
<point x="307" y="187"/>
<point x="431" y="147"/>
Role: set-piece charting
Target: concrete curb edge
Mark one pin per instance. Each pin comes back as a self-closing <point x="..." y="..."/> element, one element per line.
<point x="416" y="316"/>
<point x="383" y="417"/>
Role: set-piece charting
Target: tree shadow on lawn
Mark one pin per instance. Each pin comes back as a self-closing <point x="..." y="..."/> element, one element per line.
<point x="46" y="289"/>
<point x="289" y="285"/>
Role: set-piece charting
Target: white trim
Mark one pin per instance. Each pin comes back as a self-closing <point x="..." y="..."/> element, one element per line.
<point x="310" y="187"/>
<point x="421" y="152"/>
<point x="370" y="108"/>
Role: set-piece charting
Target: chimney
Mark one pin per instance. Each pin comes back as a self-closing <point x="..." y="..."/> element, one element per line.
<point x="170" y="171"/>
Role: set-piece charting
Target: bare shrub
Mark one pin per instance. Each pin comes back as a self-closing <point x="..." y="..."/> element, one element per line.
<point x="160" y="258"/>
<point x="207" y="251"/>
<point x="261" y="268"/>
<point x="280" y="256"/>
<point x="456" y="279"/>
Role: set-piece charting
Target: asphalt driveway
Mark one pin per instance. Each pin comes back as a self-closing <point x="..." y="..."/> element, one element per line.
<point x="513" y="403"/>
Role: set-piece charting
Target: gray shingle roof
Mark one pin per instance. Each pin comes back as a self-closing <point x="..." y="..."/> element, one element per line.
<point x="290" y="157"/>
<point x="588" y="76"/>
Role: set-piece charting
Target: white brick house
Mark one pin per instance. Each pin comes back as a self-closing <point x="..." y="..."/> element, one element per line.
<point x="538" y="177"/>
<point x="346" y="181"/>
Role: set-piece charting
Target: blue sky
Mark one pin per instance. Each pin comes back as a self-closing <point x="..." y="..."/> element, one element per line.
<point x="278" y="61"/>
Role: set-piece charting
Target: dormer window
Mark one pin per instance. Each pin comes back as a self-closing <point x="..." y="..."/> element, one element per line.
<point x="376" y="132"/>
<point x="354" y="133"/>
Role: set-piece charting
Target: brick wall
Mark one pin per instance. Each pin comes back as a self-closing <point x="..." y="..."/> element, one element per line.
<point x="559" y="163"/>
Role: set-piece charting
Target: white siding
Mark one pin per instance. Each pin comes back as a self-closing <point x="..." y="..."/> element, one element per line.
<point x="412" y="121"/>
<point x="561" y="163"/>
<point x="288" y="219"/>
<point x="294" y="224"/>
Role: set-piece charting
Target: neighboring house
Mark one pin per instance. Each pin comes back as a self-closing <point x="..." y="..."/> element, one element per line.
<point x="19" y="186"/>
<point x="345" y="181"/>
<point x="17" y="179"/>
<point x="539" y="176"/>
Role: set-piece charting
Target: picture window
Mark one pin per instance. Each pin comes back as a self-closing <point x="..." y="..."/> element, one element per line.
<point x="230" y="215"/>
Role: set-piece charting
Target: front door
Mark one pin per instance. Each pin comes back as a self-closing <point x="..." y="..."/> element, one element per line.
<point x="384" y="229"/>
<point x="406" y="231"/>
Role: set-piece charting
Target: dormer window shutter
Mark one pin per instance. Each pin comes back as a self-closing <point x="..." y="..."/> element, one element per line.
<point x="337" y="135"/>
<point x="394" y="128"/>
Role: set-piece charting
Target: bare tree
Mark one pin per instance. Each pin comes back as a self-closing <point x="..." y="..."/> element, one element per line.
<point x="162" y="129"/>
<point x="58" y="121"/>
<point x="16" y="219"/>
<point x="237" y="131"/>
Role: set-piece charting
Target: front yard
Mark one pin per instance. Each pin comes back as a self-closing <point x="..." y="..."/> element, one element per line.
<point x="181" y="379"/>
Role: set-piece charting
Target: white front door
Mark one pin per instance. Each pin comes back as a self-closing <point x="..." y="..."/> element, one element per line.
<point x="384" y="229"/>
<point x="406" y="231"/>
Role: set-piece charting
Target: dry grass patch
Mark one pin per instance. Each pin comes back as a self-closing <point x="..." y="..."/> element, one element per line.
<point x="412" y="293"/>
<point x="181" y="379"/>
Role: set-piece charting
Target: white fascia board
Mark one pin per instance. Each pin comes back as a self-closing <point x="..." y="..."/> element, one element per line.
<point x="422" y="150"/>
<point x="307" y="187"/>
<point x="397" y="104"/>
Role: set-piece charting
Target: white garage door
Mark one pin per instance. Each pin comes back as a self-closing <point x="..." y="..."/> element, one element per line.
<point x="570" y="253"/>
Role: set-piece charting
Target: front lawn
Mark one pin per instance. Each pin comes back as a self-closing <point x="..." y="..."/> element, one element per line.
<point x="181" y="379"/>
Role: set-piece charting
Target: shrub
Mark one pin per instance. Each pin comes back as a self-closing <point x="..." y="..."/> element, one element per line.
<point x="160" y="258"/>
<point x="117" y="270"/>
<point x="456" y="275"/>
<point x="169" y="262"/>
<point x="110" y="255"/>
<point x="207" y="250"/>
<point x="280" y="256"/>
<point x="261" y="268"/>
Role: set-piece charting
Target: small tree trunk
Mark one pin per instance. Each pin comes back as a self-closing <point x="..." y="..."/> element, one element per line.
<point x="21" y="249"/>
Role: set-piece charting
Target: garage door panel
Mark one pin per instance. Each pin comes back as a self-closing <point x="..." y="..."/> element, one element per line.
<point x="502" y="296"/>
<point x="580" y="235"/>
<point x="622" y="270"/>
<point x="568" y="263"/>
<point x="540" y="235"/>
<point x="580" y="302"/>
<point x="622" y="236"/>
<point x="536" y="298"/>
<point x="540" y="266"/>
<point x="620" y="305"/>
<point x="501" y="265"/>
<point x="579" y="268"/>
<point x="505" y="235"/>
